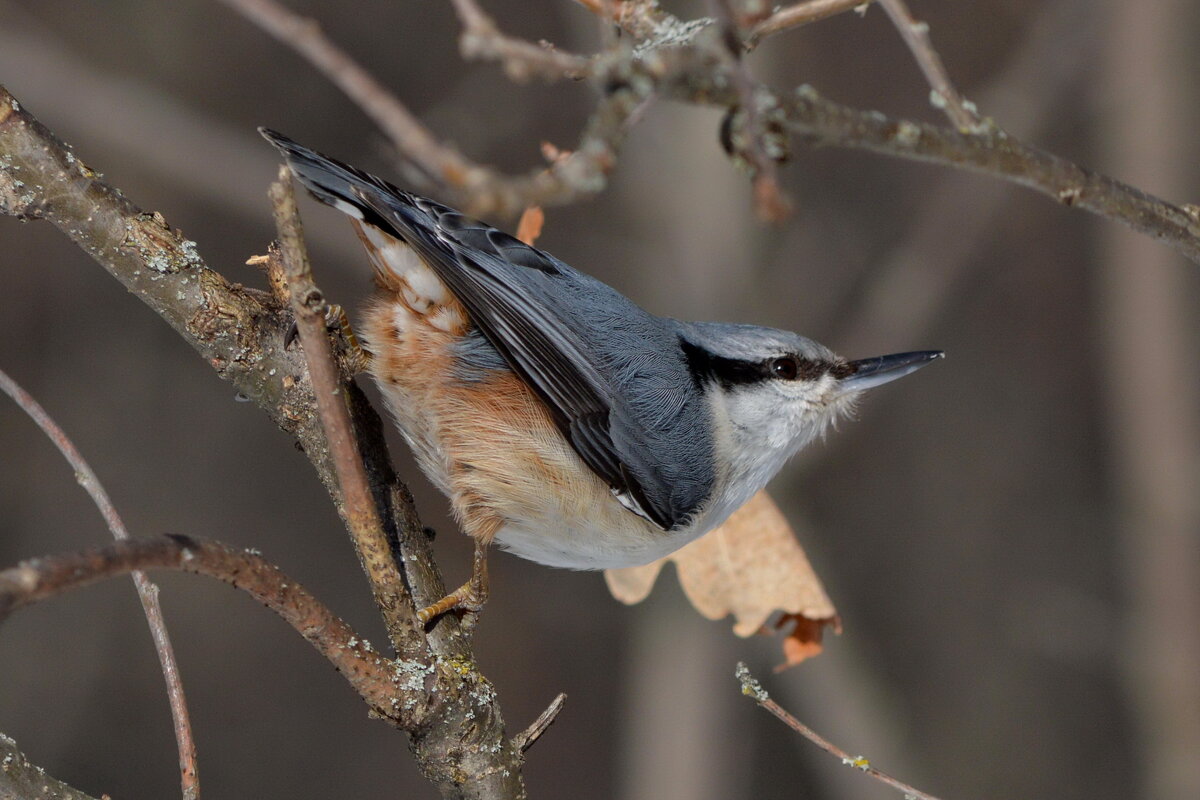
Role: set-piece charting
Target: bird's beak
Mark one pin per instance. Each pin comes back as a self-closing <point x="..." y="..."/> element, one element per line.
<point x="871" y="372"/>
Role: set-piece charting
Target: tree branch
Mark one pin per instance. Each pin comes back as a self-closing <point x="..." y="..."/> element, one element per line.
<point x="473" y="187"/>
<point x="800" y="14"/>
<point x="21" y="780"/>
<point x="671" y="59"/>
<point x="361" y="515"/>
<point x="944" y="96"/>
<point x="189" y="771"/>
<point x="460" y="744"/>
<point x="753" y="689"/>
<point x="692" y="75"/>
<point x="525" y="739"/>
<point x="440" y="163"/>
<point x="354" y="657"/>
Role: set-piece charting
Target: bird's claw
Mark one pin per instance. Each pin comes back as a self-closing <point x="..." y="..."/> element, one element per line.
<point x="352" y="356"/>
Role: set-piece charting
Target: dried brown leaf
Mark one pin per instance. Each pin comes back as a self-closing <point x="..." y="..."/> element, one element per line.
<point x="752" y="567"/>
<point x="530" y="226"/>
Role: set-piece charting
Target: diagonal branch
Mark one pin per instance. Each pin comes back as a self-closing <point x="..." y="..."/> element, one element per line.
<point x="800" y="14"/>
<point x="440" y="163"/>
<point x="944" y="96"/>
<point x="358" y="505"/>
<point x="21" y="780"/>
<point x="526" y="738"/>
<point x="189" y="773"/>
<point x="476" y="188"/>
<point x="753" y="689"/>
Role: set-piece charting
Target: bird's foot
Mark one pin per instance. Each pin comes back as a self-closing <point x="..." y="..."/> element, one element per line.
<point x="352" y="357"/>
<point x="471" y="596"/>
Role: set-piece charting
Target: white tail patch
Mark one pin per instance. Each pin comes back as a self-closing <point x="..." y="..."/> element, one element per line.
<point x="345" y="207"/>
<point x="423" y="288"/>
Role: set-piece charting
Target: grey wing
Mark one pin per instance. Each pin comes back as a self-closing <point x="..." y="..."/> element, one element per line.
<point x="470" y="258"/>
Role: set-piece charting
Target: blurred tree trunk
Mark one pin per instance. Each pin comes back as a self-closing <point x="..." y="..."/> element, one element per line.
<point x="680" y="667"/>
<point x="1147" y="335"/>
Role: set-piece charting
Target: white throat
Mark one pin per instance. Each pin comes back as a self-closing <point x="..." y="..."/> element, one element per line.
<point x="757" y="432"/>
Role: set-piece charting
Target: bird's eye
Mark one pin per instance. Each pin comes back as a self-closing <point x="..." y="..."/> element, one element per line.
<point x="785" y="368"/>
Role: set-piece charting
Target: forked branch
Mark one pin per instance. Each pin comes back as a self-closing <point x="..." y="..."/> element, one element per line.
<point x="354" y="657"/>
<point x="676" y="59"/>
<point x="457" y="732"/>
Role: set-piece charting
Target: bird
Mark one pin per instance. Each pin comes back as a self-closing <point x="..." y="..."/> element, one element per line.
<point x="564" y="422"/>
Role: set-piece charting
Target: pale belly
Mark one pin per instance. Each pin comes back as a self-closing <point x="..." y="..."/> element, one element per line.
<point x="594" y="542"/>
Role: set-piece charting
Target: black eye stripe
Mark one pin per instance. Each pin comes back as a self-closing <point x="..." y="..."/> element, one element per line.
<point x="795" y="368"/>
<point x="707" y="368"/>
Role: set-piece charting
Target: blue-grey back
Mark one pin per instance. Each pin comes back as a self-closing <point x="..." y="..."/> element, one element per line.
<point x="659" y="415"/>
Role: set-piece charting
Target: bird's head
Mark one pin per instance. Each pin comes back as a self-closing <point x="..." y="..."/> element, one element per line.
<point x="773" y="391"/>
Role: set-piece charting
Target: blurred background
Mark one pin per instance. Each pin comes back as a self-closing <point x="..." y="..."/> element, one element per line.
<point x="1012" y="536"/>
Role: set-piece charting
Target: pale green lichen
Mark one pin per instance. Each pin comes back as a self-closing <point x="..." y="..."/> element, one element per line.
<point x="750" y="685"/>
<point x="908" y="134"/>
<point x="674" y="33"/>
<point x="409" y="676"/>
<point x="858" y="762"/>
<point x="808" y="92"/>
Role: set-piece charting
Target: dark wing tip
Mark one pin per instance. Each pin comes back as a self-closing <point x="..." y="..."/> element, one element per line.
<point x="291" y="149"/>
<point x="331" y="181"/>
<point x="275" y="137"/>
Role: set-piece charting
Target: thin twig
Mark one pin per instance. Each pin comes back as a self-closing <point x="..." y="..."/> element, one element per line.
<point x="687" y="75"/>
<point x="752" y="688"/>
<point x="481" y="38"/>
<point x="358" y="506"/>
<point x="474" y="187"/>
<point x="370" y="675"/>
<point x="189" y="772"/>
<point x="770" y="202"/>
<point x="800" y="14"/>
<point x="440" y="162"/>
<point x="915" y="33"/>
<point x="525" y="739"/>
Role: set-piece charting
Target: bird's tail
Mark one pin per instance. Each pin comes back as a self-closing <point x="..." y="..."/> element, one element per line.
<point x="329" y="180"/>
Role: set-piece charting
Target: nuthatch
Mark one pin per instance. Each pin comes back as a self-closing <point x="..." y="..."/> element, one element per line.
<point x="563" y="421"/>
